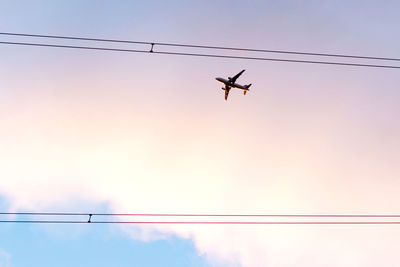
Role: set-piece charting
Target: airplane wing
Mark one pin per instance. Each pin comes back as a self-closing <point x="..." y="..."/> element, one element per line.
<point x="234" y="78"/>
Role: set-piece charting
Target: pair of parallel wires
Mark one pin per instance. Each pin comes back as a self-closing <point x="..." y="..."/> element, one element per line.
<point x="153" y="48"/>
<point x="177" y="218"/>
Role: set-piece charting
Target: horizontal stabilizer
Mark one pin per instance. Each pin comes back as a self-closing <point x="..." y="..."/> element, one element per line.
<point x="244" y="92"/>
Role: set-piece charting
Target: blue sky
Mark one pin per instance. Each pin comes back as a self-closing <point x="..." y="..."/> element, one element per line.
<point x="89" y="245"/>
<point x="86" y="131"/>
<point x="96" y="245"/>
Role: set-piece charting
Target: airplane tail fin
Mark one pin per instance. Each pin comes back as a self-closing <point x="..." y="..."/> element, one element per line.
<point x="247" y="86"/>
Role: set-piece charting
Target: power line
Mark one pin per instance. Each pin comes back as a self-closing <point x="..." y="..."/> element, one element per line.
<point x="206" y="222"/>
<point x="77" y="47"/>
<point x="82" y="38"/>
<point x="200" y="46"/>
<point x="203" y="215"/>
<point x="191" y="215"/>
<point x="202" y="55"/>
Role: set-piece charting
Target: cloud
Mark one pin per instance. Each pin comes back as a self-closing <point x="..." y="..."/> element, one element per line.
<point x="53" y="157"/>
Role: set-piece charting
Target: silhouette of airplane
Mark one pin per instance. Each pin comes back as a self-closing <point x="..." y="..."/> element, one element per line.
<point x="231" y="83"/>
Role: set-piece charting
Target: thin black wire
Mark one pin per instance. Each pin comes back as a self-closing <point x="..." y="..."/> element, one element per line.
<point x="204" y="55"/>
<point x="77" y="47"/>
<point x="200" y="215"/>
<point x="199" y="222"/>
<point x="203" y="215"/>
<point x="201" y="46"/>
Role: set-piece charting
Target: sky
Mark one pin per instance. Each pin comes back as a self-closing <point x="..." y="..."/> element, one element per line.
<point x="90" y="131"/>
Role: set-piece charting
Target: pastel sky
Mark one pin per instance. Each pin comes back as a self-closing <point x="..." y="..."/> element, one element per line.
<point x="89" y="131"/>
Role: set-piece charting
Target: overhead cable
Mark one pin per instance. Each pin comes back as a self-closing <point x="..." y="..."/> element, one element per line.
<point x="201" y="55"/>
<point x="203" y="222"/>
<point x="200" y="46"/>
<point x="137" y="218"/>
<point x="202" y="215"/>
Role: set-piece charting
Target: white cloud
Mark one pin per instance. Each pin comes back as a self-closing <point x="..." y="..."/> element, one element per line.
<point x="52" y="157"/>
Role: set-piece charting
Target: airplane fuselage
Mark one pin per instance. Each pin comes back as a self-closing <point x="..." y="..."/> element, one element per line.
<point x="228" y="83"/>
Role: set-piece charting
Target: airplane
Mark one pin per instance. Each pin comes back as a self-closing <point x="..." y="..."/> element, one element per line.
<point x="231" y="83"/>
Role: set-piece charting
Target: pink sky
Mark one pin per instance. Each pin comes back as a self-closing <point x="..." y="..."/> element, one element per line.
<point x="150" y="133"/>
